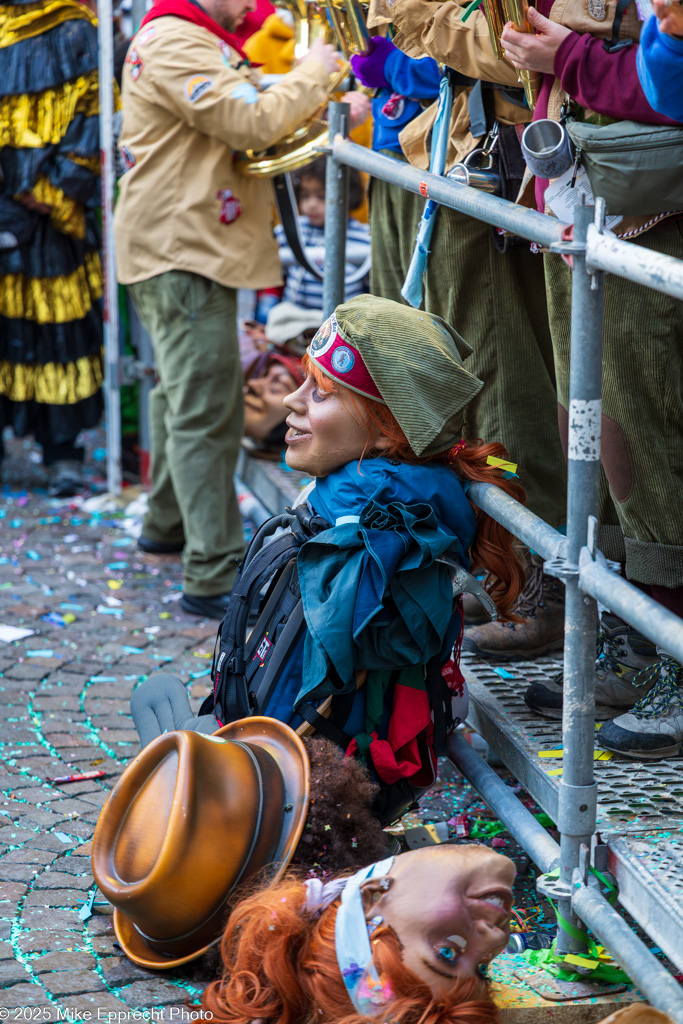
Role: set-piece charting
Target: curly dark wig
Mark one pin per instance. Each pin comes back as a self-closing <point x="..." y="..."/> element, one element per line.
<point x="341" y="831"/>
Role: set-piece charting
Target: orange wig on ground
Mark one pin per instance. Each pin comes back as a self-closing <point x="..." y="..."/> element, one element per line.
<point x="280" y="967"/>
<point x="493" y="550"/>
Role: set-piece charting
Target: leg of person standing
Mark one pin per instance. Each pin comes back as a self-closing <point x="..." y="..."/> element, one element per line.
<point x="641" y="525"/>
<point x="394" y="218"/>
<point x="196" y="418"/>
<point x="497" y="302"/>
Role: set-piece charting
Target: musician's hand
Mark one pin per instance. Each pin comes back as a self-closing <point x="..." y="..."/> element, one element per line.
<point x="534" y="52"/>
<point x="325" y="54"/>
<point x="359" y="107"/>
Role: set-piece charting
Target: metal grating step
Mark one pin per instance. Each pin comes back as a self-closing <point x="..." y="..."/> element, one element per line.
<point x="640" y="804"/>
<point x="633" y="796"/>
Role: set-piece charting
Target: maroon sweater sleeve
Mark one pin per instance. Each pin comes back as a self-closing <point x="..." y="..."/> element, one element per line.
<point x="607" y="83"/>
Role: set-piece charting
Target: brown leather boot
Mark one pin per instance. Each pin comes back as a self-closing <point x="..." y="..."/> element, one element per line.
<point x="473" y="610"/>
<point x="540" y="606"/>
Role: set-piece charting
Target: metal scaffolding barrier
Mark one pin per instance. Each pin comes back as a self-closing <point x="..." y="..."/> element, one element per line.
<point x="574" y="558"/>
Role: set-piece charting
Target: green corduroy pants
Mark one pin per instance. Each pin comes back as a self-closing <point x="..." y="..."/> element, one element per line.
<point x="394" y="216"/>
<point x="641" y="503"/>
<point x="497" y="303"/>
<point x="196" y="417"/>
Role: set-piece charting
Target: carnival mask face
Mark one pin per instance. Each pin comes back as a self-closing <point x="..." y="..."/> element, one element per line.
<point x="324" y="432"/>
<point x="264" y="398"/>
<point x="450" y="908"/>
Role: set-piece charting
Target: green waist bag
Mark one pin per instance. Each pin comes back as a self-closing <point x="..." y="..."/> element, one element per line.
<point x="636" y="168"/>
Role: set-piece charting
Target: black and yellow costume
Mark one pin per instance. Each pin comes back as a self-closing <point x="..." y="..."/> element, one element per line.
<point x="50" y="271"/>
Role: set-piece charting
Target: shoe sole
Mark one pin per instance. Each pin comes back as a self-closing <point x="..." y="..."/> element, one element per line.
<point x="646" y="755"/>
<point x="603" y="713"/>
<point x="171" y="549"/>
<point x="469" y="645"/>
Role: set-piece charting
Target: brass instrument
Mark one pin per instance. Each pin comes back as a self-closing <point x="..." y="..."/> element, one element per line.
<point x="497" y="13"/>
<point x="340" y="22"/>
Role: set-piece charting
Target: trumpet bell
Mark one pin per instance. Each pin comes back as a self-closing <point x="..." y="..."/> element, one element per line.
<point x="298" y="149"/>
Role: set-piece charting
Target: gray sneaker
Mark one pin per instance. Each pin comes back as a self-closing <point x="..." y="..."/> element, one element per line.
<point x="623" y="673"/>
<point x="654" y="726"/>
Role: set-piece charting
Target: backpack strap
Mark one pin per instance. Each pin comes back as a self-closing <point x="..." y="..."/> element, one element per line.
<point x="230" y="695"/>
<point x="614" y="43"/>
<point x="324" y="726"/>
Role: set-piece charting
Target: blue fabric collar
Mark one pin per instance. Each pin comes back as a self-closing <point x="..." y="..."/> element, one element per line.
<point x="348" y="490"/>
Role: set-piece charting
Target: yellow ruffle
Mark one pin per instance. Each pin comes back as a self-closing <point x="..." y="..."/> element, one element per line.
<point x="52" y="300"/>
<point x="91" y="163"/>
<point x="53" y="383"/>
<point x="32" y="121"/>
<point x="24" y="21"/>
<point x="66" y="215"/>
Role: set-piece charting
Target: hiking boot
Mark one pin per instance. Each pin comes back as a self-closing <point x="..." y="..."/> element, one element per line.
<point x="65" y="478"/>
<point x="540" y="606"/>
<point x="623" y="660"/>
<point x="654" y="726"/>
<point x="473" y="610"/>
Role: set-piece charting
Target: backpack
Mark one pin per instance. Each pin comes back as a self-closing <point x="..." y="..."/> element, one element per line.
<point x="259" y="672"/>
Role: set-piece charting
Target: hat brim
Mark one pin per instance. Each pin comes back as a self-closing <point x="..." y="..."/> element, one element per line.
<point x="140" y="952"/>
<point x="283" y="744"/>
<point x="288" y="751"/>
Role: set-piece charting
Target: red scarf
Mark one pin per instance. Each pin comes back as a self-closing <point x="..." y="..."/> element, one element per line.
<point x="190" y="12"/>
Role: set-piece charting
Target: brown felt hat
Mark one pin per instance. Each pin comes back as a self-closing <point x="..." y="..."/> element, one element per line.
<point x="192" y="817"/>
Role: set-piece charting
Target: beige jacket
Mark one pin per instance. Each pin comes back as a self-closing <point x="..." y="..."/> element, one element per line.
<point x="188" y="107"/>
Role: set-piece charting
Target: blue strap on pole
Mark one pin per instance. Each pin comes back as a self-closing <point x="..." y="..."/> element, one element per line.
<point x="412" y="286"/>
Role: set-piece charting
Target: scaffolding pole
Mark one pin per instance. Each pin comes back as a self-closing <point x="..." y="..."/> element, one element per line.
<point x="112" y="351"/>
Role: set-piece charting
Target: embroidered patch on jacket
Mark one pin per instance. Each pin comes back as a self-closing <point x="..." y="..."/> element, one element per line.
<point x="134" y="63"/>
<point x="597" y="9"/>
<point x="245" y="91"/>
<point x="231" y="207"/>
<point x="226" y="53"/>
<point x="196" y="86"/>
<point x="127" y="158"/>
<point x="147" y="33"/>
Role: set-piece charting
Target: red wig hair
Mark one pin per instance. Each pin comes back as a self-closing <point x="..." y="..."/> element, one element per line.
<point x="493" y="550"/>
<point x="280" y="967"/>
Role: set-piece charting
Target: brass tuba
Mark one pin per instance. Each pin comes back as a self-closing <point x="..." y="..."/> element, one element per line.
<point x="497" y="13"/>
<point x="340" y="22"/>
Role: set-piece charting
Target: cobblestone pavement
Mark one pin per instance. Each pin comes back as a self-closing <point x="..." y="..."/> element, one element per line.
<point x="104" y="617"/>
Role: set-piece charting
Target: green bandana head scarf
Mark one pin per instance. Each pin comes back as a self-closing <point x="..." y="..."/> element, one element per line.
<point x="407" y="359"/>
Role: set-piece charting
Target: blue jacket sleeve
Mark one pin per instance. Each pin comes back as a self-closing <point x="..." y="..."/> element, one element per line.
<point x="418" y="79"/>
<point x="660" y="69"/>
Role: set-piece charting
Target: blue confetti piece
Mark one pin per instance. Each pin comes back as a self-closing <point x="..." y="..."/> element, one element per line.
<point x="16" y="523"/>
<point x="198" y="675"/>
<point x="503" y="673"/>
<point x="122" y="542"/>
<point x="71" y="607"/>
<point x="117" y="565"/>
<point x="100" y="454"/>
<point x="40" y="654"/>
<point x="33" y="555"/>
<point x="131" y="650"/>
<point x="103" y="679"/>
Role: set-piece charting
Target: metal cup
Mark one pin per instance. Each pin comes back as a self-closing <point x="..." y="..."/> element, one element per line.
<point x="471" y="172"/>
<point x="547" y="148"/>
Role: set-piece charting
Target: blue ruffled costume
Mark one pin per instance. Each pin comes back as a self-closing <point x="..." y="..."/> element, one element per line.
<point x="373" y="592"/>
